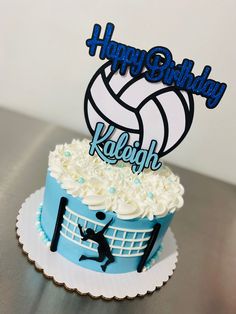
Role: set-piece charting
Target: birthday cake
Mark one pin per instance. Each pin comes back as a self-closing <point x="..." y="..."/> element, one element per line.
<point x="109" y="201"/>
<point x="112" y="218"/>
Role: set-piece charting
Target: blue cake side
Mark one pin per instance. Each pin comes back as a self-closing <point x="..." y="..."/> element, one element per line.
<point x="127" y="238"/>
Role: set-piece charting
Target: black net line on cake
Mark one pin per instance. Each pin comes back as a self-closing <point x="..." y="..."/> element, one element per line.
<point x="121" y="245"/>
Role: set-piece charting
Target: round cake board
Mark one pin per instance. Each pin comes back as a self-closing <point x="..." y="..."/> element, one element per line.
<point x="82" y="280"/>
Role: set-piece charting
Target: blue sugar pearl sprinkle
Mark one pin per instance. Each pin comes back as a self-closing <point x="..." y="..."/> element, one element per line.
<point x="67" y="154"/>
<point x="81" y="180"/>
<point x="121" y="165"/>
<point x="112" y="190"/>
<point x="137" y="181"/>
<point x="150" y="195"/>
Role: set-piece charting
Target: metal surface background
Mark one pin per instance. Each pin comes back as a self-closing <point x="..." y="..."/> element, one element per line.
<point x="205" y="278"/>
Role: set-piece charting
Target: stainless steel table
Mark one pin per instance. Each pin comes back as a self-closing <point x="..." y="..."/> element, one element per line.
<point x="205" y="278"/>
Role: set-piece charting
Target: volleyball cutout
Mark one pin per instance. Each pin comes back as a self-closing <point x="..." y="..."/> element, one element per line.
<point x="147" y="111"/>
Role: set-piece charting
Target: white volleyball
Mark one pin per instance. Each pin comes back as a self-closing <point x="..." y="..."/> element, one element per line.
<point x="147" y="111"/>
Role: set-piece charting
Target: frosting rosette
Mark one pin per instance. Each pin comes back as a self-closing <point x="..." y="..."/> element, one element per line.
<point x="115" y="188"/>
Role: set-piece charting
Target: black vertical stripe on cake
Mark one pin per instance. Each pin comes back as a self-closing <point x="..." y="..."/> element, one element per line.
<point x="57" y="229"/>
<point x="149" y="247"/>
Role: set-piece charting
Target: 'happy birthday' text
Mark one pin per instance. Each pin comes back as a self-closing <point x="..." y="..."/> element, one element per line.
<point x="159" y="65"/>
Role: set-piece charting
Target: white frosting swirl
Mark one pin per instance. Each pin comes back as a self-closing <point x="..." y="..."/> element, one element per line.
<point x="114" y="187"/>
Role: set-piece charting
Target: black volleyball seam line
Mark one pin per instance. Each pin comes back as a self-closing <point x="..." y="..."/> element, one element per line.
<point x="140" y="122"/>
<point x="191" y="109"/>
<point x="86" y="97"/>
<point x="97" y="73"/>
<point x="129" y="83"/>
<point x="109" y="76"/>
<point x="86" y="116"/>
<point x="155" y="94"/>
<point x="110" y="122"/>
<point x="186" y="111"/>
<point x="121" y="102"/>
<point x="166" y="125"/>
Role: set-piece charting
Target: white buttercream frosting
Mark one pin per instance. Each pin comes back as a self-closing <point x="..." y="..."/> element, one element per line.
<point x="115" y="187"/>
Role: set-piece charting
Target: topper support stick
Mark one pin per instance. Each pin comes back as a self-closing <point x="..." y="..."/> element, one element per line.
<point x="57" y="229"/>
<point x="149" y="247"/>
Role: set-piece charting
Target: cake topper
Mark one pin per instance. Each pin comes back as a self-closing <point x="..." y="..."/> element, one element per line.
<point x="139" y="105"/>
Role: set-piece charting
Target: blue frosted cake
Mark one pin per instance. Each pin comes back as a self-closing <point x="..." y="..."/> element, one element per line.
<point x="104" y="217"/>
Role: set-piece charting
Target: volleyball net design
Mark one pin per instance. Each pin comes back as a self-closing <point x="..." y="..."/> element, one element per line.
<point x="123" y="242"/>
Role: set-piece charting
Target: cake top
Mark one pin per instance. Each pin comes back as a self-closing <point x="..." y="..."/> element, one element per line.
<point x="115" y="187"/>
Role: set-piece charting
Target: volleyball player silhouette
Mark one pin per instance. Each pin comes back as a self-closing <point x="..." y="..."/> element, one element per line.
<point x="103" y="246"/>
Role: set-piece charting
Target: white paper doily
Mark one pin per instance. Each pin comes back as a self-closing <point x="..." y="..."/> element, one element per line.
<point x="82" y="280"/>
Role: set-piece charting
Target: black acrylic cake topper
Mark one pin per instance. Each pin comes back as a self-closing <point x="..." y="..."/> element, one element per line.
<point x="141" y="121"/>
<point x="139" y="105"/>
<point x="103" y="248"/>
